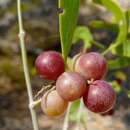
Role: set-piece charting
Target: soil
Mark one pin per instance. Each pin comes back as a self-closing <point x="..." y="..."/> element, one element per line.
<point x="15" y="115"/>
<point x="41" y="23"/>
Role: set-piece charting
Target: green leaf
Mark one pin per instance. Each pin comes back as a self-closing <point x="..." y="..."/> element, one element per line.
<point x="126" y="48"/>
<point x="119" y="17"/>
<point x="127" y="15"/>
<point x="117" y="87"/>
<point x="73" y="110"/>
<point x="83" y="33"/>
<point x="119" y="63"/>
<point x="104" y="25"/>
<point x="97" y="1"/>
<point x="123" y="49"/>
<point x="67" y="23"/>
<point x="114" y="8"/>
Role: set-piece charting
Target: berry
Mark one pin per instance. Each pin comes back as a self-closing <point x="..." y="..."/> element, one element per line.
<point x="71" y="86"/>
<point x="109" y="113"/>
<point x="91" y="65"/>
<point x="100" y="97"/>
<point x="50" y="65"/>
<point x="52" y="104"/>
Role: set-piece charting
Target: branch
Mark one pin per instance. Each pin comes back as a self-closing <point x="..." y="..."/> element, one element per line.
<point x="35" y="103"/>
<point x="25" y="66"/>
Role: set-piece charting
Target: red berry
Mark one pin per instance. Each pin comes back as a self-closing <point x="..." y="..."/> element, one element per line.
<point x="100" y="97"/>
<point x="91" y="65"/>
<point x="50" y="65"/>
<point x="71" y="86"/>
<point x="52" y="104"/>
<point x="109" y="113"/>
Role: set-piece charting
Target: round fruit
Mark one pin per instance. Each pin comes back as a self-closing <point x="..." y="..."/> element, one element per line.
<point x="91" y="65"/>
<point x="109" y="113"/>
<point x="50" y="65"/>
<point x="52" y="104"/>
<point x="100" y="97"/>
<point x="71" y="86"/>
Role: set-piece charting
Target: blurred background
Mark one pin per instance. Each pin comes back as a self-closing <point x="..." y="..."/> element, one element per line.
<point x="42" y="33"/>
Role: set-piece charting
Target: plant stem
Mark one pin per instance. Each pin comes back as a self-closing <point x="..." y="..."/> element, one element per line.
<point x="112" y="46"/>
<point x="66" y="120"/>
<point x="79" y="114"/>
<point x="25" y="66"/>
<point x="98" y="44"/>
<point x="36" y="103"/>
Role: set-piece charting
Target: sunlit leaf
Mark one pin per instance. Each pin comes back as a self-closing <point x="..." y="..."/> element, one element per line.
<point x="67" y="21"/>
<point x="83" y="33"/>
<point x="73" y="110"/>
<point x="126" y="48"/>
<point x="114" y="8"/>
<point x="120" y="19"/>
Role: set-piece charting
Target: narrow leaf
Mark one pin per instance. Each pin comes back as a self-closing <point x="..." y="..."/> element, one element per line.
<point x="119" y="17"/>
<point x="67" y="21"/>
<point x="120" y="20"/>
<point x="114" y="8"/>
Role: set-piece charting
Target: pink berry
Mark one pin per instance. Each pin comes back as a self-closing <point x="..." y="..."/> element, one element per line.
<point x="100" y="97"/>
<point x="109" y="113"/>
<point x="52" y="104"/>
<point x="91" y="65"/>
<point x="71" y="86"/>
<point x="50" y="65"/>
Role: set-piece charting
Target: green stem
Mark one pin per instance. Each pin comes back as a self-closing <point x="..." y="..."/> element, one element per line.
<point x="79" y="114"/>
<point x="98" y="44"/>
<point x="121" y="36"/>
<point x="25" y="66"/>
<point x="66" y="120"/>
<point x="112" y="46"/>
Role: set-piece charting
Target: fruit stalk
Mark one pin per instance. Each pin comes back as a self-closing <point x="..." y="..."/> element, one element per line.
<point x="79" y="115"/>
<point x="25" y="66"/>
<point x="66" y="120"/>
<point x="112" y="46"/>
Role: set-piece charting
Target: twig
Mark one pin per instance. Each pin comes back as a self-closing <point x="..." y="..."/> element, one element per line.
<point x="35" y="103"/>
<point x="25" y="66"/>
<point x="66" y="120"/>
<point x="42" y="91"/>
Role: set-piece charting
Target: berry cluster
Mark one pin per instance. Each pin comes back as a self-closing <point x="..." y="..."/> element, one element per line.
<point x="84" y="81"/>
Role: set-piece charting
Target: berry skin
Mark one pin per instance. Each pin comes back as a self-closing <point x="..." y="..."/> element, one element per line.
<point x="50" y="65"/>
<point x="52" y="104"/>
<point x="71" y="86"/>
<point x="109" y="113"/>
<point x="91" y="65"/>
<point x="100" y="97"/>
